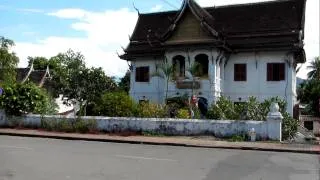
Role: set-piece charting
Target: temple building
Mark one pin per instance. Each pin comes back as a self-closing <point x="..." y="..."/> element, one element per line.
<point x="240" y="51"/>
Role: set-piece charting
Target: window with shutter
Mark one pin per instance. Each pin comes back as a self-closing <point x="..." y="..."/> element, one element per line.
<point x="142" y="74"/>
<point x="275" y="71"/>
<point x="240" y="72"/>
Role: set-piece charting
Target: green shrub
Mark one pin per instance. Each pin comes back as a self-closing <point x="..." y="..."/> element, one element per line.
<point x="253" y="110"/>
<point x="265" y="106"/>
<point x="49" y="107"/>
<point x="183" y="114"/>
<point x="115" y="104"/>
<point x="179" y="101"/>
<point x="238" y="138"/>
<point x="173" y="109"/>
<point x="152" y="133"/>
<point x="19" y="99"/>
<point x="197" y="113"/>
<point x="85" y="126"/>
<point x="15" y="122"/>
<point x="59" y="125"/>
<point x="46" y="124"/>
<point x="64" y="125"/>
<point x="289" y="126"/>
<point x="69" y="125"/>
<point x="223" y="109"/>
<point x="149" y="110"/>
<point x="176" y="103"/>
<point x="309" y="94"/>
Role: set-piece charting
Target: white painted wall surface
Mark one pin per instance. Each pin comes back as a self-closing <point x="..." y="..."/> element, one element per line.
<point x="152" y="90"/>
<point x="219" y="128"/>
<point x="270" y="129"/>
<point x="257" y="84"/>
<point x="2" y="117"/>
<point x="221" y="78"/>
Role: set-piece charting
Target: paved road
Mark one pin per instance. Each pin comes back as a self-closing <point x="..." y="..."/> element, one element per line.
<point x="49" y="159"/>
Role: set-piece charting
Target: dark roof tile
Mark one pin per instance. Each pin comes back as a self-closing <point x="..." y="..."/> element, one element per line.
<point x="278" y="17"/>
<point x="37" y="76"/>
<point x="22" y="73"/>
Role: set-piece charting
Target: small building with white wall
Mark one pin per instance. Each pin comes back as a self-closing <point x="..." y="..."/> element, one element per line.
<point x="238" y="51"/>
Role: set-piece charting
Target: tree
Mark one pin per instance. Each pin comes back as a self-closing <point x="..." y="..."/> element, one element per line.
<point x="76" y="82"/>
<point x="165" y="71"/>
<point x="315" y="69"/>
<point x="194" y="71"/>
<point x="124" y="83"/>
<point x="21" y="99"/>
<point x="39" y="63"/>
<point x="115" y="104"/>
<point x="92" y="83"/>
<point x="309" y="93"/>
<point x="8" y="61"/>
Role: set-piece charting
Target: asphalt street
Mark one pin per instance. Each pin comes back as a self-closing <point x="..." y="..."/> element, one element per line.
<point x="50" y="159"/>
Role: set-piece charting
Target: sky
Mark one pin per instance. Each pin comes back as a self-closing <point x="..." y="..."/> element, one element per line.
<point x="99" y="29"/>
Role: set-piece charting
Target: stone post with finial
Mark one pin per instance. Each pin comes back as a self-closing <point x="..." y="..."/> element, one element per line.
<point x="274" y="121"/>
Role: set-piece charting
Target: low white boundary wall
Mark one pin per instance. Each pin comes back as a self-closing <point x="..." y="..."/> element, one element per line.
<point x="270" y="129"/>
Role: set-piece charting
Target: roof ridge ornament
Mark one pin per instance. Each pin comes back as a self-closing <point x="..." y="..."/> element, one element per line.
<point x="202" y="15"/>
<point x="48" y="71"/>
<point x="29" y="72"/>
<point x="136" y="8"/>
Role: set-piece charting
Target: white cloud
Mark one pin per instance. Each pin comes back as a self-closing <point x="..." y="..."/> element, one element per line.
<point x="70" y="13"/>
<point x="105" y="33"/>
<point x="312" y="37"/>
<point x="156" y="8"/>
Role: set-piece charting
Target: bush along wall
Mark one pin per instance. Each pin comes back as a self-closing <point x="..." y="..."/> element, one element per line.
<point x="66" y="125"/>
<point x="18" y="99"/>
<point x="253" y="110"/>
<point x="115" y="104"/>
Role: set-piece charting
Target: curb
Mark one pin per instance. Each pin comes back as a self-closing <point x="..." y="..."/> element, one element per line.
<point x="160" y="143"/>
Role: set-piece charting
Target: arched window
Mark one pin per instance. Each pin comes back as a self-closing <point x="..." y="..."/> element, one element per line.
<point x="202" y="63"/>
<point x="179" y="63"/>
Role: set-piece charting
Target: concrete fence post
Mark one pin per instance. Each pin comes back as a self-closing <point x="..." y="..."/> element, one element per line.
<point x="274" y="121"/>
<point x="2" y="117"/>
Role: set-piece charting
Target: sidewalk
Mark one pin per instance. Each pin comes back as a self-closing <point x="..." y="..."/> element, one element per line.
<point x="171" y="141"/>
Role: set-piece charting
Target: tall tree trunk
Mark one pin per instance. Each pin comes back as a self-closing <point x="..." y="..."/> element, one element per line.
<point x="167" y="88"/>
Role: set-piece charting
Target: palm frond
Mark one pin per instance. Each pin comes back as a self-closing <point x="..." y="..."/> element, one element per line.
<point x="164" y="71"/>
<point x="315" y="68"/>
<point x="298" y="69"/>
<point x="311" y="74"/>
<point x="194" y="68"/>
<point x="157" y="74"/>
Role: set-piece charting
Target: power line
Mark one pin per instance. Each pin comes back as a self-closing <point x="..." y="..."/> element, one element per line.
<point x="179" y="1"/>
<point x="170" y="4"/>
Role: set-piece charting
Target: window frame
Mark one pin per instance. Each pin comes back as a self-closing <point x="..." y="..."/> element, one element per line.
<point x="141" y="75"/>
<point x="203" y="60"/>
<point x="239" y="76"/>
<point x="179" y="65"/>
<point x="276" y="72"/>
